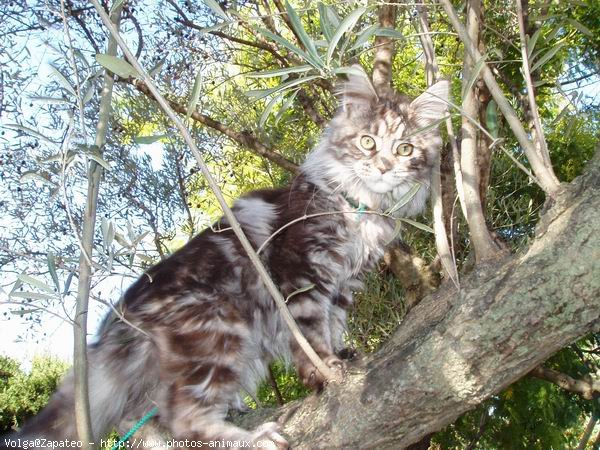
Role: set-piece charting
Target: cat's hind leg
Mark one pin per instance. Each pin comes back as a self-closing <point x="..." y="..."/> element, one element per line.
<point x="201" y="363"/>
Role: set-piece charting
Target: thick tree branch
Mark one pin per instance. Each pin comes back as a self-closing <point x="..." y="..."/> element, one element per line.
<point x="432" y="73"/>
<point x="503" y="323"/>
<point x="384" y="48"/>
<point x="485" y="247"/>
<point x="588" y="388"/>
<point x="244" y="138"/>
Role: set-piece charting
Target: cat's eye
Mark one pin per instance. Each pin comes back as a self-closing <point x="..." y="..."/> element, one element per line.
<point x="367" y="143"/>
<point x="403" y="149"/>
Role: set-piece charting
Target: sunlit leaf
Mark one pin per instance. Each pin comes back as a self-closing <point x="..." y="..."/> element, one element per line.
<point x="262" y="93"/>
<point x="32" y="175"/>
<point x="195" y="96"/>
<point x="268" y="108"/>
<point x="49" y="100"/>
<point x="280" y="72"/>
<point x="116" y="4"/>
<point x="116" y="65"/>
<point x="145" y="140"/>
<point x="346" y="25"/>
<point x="35" y="282"/>
<point x="62" y="80"/>
<point x="51" y="259"/>
<point x="302" y="34"/>
<point x="475" y="71"/>
<point x="216" y="8"/>
<point x="491" y="118"/>
<point x="324" y="22"/>
<point x="33" y="295"/>
<point x="419" y="225"/>
<point x="547" y="57"/>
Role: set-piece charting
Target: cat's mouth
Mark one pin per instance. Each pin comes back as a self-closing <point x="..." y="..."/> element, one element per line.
<point x="379" y="186"/>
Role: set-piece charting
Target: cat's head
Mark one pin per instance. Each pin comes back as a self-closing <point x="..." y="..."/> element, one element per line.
<point x="377" y="147"/>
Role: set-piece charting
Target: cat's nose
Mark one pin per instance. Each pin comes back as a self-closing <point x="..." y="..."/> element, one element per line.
<point x="383" y="165"/>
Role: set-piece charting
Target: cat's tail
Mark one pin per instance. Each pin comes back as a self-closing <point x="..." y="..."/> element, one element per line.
<point x="113" y="388"/>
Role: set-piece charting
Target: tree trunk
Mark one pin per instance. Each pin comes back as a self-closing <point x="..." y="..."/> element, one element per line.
<point x="455" y="349"/>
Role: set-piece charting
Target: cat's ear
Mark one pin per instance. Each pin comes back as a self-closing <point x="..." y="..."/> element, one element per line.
<point x="358" y="91"/>
<point x="432" y="105"/>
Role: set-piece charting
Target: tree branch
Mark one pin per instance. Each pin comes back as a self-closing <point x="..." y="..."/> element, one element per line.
<point x="588" y="388"/>
<point x="244" y="138"/>
<point x="485" y="247"/>
<point x="384" y="48"/>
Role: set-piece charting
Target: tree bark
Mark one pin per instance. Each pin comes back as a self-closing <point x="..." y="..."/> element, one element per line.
<point x="455" y="349"/>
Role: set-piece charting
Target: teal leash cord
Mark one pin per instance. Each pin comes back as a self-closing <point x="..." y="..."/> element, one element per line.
<point x="136" y="427"/>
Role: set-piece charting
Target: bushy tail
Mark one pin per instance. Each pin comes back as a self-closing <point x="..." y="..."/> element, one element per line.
<point x="111" y="390"/>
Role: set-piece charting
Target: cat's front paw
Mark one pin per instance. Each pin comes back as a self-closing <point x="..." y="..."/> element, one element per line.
<point x="269" y="436"/>
<point x="313" y="379"/>
<point x="337" y="366"/>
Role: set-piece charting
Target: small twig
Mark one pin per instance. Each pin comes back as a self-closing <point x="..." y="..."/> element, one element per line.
<point x="587" y="388"/>
<point x="537" y="123"/>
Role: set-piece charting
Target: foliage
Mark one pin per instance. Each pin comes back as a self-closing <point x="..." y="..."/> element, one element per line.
<point x="22" y="394"/>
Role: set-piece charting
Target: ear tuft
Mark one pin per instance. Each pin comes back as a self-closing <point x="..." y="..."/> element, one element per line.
<point x="432" y="105"/>
<point x="358" y="91"/>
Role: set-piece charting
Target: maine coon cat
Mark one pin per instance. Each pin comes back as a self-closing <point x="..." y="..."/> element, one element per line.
<point x="209" y="327"/>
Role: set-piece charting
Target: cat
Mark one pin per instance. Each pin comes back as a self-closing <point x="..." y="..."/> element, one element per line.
<point x="204" y="327"/>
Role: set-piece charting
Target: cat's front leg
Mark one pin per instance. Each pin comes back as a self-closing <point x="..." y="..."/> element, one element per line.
<point x="311" y="313"/>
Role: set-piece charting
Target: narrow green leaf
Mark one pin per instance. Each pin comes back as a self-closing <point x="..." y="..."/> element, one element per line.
<point x="195" y="96"/>
<point x="33" y="175"/>
<point x="332" y="17"/>
<point x="580" y="27"/>
<point x="280" y="72"/>
<point x="29" y="131"/>
<point x="389" y="33"/>
<point x="146" y="140"/>
<point x="268" y="108"/>
<point x="216" y="27"/>
<point x="326" y="28"/>
<point x="157" y="67"/>
<point x="89" y="94"/>
<point x="95" y="155"/>
<point x="116" y="65"/>
<point x="116" y="4"/>
<point x="491" y="118"/>
<point x="346" y="25"/>
<point x="33" y="295"/>
<point x="547" y="57"/>
<point x="49" y="100"/>
<point x="532" y="41"/>
<point x="262" y="93"/>
<point x="299" y="28"/>
<point x="475" y="71"/>
<point x="364" y="36"/>
<point x="299" y="291"/>
<point x="419" y="225"/>
<point x="315" y="62"/>
<point x="216" y="8"/>
<point x="286" y="105"/>
<point x="35" y="283"/>
<point x="68" y="284"/>
<point x="395" y="233"/>
<point x="24" y="311"/>
<point x="405" y="198"/>
<point x="62" y="80"/>
<point x="52" y="269"/>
